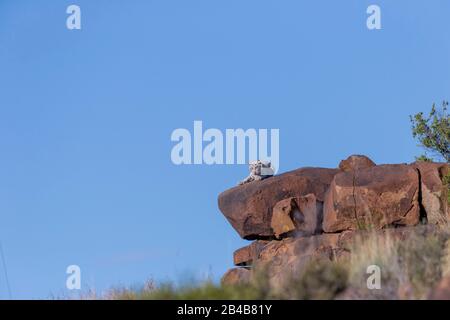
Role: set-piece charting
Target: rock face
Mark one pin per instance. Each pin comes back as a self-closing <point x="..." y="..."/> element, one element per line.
<point x="249" y="207"/>
<point x="316" y="213"/>
<point x="310" y="215"/>
<point x="433" y="192"/>
<point x="236" y="276"/>
<point x="372" y="197"/>
<point x="246" y="255"/>
<point x="283" y="214"/>
<point x="356" y="162"/>
<point x="299" y="216"/>
<point x="287" y="256"/>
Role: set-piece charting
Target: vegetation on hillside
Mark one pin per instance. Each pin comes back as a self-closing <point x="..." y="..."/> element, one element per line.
<point x="433" y="133"/>
<point x="411" y="268"/>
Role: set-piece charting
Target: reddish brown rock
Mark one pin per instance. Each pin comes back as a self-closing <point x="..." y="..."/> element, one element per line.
<point x="282" y="222"/>
<point x="299" y="246"/>
<point x="356" y="162"/>
<point x="236" y="276"/>
<point x="433" y="191"/>
<point x="283" y="258"/>
<point x="249" y="207"/>
<point x="308" y="218"/>
<point x="246" y="255"/>
<point x="297" y="216"/>
<point x="374" y="197"/>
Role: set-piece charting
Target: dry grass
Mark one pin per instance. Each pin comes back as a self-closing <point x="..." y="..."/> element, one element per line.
<point x="410" y="266"/>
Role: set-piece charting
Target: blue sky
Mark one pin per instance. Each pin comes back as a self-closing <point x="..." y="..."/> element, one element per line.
<point x="86" y="117"/>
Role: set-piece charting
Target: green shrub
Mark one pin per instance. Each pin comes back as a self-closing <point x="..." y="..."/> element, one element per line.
<point x="433" y="132"/>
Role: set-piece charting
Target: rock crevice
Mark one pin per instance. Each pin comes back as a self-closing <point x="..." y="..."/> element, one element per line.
<point x="422" y="211"/>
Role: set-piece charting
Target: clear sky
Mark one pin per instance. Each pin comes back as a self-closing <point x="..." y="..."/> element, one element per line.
<point x="86" y="117"/>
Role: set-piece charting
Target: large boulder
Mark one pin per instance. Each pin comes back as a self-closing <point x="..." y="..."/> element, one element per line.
<point x="373" y="197"/>
<point x="283" y="213"/>
<point x="308" y="221"/>
<point x="298" y="216"/>
<point x="246" y="255"/>
<point x="249" y="207"/>
<point x="236" y="276"/>
<point x="433" y="190"/>
<point x="282" y="259"/>
<point x="356" y="162"/>
<point x="286" y="258"/>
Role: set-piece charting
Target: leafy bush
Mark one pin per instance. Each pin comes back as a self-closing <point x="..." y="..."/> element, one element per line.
<point x="433" y="132"/>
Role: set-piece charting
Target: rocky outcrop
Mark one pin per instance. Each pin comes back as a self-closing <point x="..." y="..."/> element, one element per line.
<point x="236" y="276"/>
<point x="246" y="255"/>
<point x="433" y="191"/>
<point x="249" y="207"/>
<point x="287" y="256"/>
<point x="316" y="213"/>
<point x="373" y="197"/>
<point x="298" y="216"/>
<point x="356" y="162"/>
